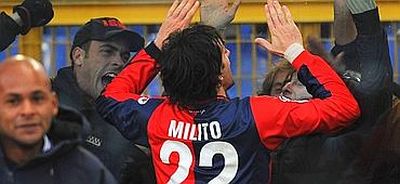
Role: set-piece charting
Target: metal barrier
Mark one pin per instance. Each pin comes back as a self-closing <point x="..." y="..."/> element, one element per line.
<point x="249" y="63"/>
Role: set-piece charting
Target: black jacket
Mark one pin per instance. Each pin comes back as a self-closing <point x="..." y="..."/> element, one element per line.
<point x="326" y="158"/>
<point x="9" y="29"/>
<point x="65" y="163"/>
<point x="125" y="161"/>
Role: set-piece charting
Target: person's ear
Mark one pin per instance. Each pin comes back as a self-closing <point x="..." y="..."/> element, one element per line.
<point x="54" y="103"/>
<point x="78" y="54"/>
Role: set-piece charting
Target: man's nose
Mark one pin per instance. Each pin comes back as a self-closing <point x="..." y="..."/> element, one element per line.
<point x="228" y="52"/>
<point x="118" y="61"/>
<point x="287" y="89"/>
<point x="28" y="108"/>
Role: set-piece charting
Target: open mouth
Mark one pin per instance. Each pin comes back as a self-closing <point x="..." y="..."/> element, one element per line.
<point x="108" y="77"/>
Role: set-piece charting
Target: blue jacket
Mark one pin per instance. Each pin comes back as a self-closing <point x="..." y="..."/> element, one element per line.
<point x="65" y="163"/>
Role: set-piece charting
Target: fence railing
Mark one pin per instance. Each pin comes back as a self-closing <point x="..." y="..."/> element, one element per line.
<point x="249" y="63"/>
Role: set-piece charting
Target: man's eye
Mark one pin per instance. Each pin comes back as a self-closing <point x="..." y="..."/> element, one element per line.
<point x="13" y="101"/>
<point x="38" y="98"/>
<point x="107" y="52"/>
<point x="125" y="57"/>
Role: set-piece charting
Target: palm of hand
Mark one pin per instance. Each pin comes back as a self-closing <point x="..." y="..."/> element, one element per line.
<point x="217" y="13"/>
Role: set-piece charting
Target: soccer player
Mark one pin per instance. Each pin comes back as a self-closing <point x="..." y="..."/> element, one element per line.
<point x="198" y="135"/>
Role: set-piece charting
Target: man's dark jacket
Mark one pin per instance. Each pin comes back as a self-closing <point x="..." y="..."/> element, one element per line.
<point x="65" y="163"/>
<point x="125" y="161"/>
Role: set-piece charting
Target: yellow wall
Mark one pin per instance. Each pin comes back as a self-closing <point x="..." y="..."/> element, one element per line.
<point x="77" y="12"/>
<point x="150" y="12"/>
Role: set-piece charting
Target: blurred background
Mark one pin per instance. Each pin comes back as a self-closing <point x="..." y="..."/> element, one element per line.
<point x="249" y="63"/>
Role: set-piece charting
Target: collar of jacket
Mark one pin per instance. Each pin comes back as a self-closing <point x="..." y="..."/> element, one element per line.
<point x="65" y="134"/>
<point x="68" y="91"/>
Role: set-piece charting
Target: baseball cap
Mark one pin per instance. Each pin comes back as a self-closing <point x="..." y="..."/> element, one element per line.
<point x="102" y="29"/>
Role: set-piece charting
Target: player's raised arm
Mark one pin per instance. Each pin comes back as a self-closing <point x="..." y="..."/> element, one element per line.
<point x="334" y="108"/>
<point x="125" y="90"/>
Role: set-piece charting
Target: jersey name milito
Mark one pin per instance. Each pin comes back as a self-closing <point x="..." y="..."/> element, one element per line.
<point x="227" y="140"/>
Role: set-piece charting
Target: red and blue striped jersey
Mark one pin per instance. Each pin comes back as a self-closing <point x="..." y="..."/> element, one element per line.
<point x="227" y="140"/>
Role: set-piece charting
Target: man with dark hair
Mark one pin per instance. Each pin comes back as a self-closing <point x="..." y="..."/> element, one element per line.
<point x="100" y="49"/>
<point x="39" y="142"/>
<point x="366" y="68"/>
<point x="198" y="135"/>
<point x="31" y="13"/>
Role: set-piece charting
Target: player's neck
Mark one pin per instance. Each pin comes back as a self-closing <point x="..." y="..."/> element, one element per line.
<point x="221" y="91"/>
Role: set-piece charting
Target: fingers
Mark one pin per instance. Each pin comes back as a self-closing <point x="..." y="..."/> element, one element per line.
<point x="263" y="43"/>
<point x="190" y="4"/>
<point x="183" y="12"/>
<point x="173" y="7"/>
<point x="288" y="15"/>
<point x="189" y="16"/>
<point x="180" y="16"/>
<point x="270" y="22"/>
<point x="267" y="45"/>
<point x="280" y="16"/>
<point x="272" y="14"/>
<point x="180" y="7"/>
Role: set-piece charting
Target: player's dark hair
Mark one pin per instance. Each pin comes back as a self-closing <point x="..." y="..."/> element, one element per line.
<point x="190" y="65"/>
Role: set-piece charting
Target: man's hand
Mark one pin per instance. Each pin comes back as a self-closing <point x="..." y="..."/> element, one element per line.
<point x="282" y="28"/>
<point x="179" y="17"/>
<point x="217" y="13"/>
<point x="34" y="13"/>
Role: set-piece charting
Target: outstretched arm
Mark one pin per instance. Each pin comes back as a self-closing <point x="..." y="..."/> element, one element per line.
<point x="373" y="60"/>
<point x="334" y="108"/>
<point x="121" y="103"/>
<point x="30" y="13"/>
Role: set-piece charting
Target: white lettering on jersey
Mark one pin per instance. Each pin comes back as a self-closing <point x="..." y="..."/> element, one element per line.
<point x="175" y="130"/>
<point x="194" y="132"/>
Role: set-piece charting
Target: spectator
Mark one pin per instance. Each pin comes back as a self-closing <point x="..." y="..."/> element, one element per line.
<point x="40" y="143"/>
<point x="276" y="79"/>
<point x="196" y="134"/>
<point x="368" y="74"/>
<point x="100" y="49"/>
<point x="31" y="13"/>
